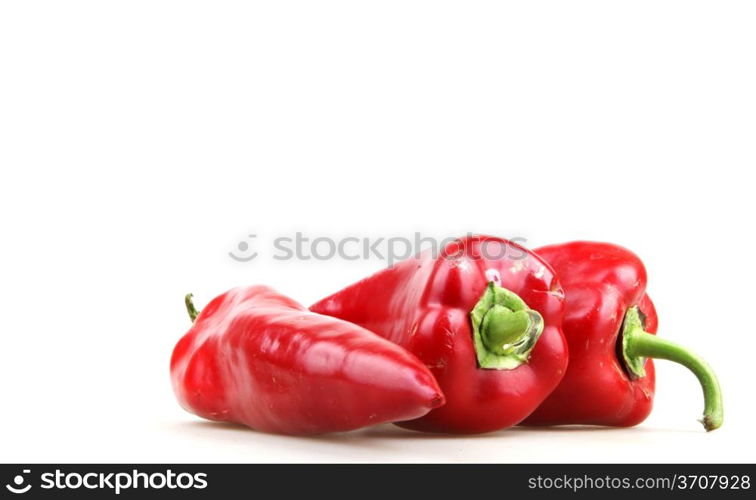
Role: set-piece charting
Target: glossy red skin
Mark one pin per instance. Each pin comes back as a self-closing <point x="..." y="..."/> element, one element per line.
<point x="259" y="358"/>
<point x="423" y="304"/>
<point x="601" y="282"/>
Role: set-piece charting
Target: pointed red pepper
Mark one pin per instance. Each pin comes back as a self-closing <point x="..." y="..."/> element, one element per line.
<point x="484" y="315"/>
<point x="610" y="324"/>
<point x="259" y="358"/>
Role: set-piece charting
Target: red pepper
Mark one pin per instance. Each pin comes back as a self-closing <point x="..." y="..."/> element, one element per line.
<point x="484" y="315"/>
<point x="259" y="358"/>
<point x="610" y="325"/>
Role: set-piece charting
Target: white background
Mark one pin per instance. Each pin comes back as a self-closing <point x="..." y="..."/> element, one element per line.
<point x="141" y="141"/>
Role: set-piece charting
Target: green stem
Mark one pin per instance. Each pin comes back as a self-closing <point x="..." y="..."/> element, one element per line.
<point x="193" y="312"/>
<point x="638" y="344"/>
<point x="505" y="329"/>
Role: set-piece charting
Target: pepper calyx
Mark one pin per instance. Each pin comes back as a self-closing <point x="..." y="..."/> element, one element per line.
<point x="505" y="329"/>
<point x="632" y="330"/>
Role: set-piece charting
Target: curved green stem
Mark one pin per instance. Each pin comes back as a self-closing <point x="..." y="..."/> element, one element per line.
<point x="505" y="329"/>
<point x="193" y="312"/>
<point x="638" y="345"/>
